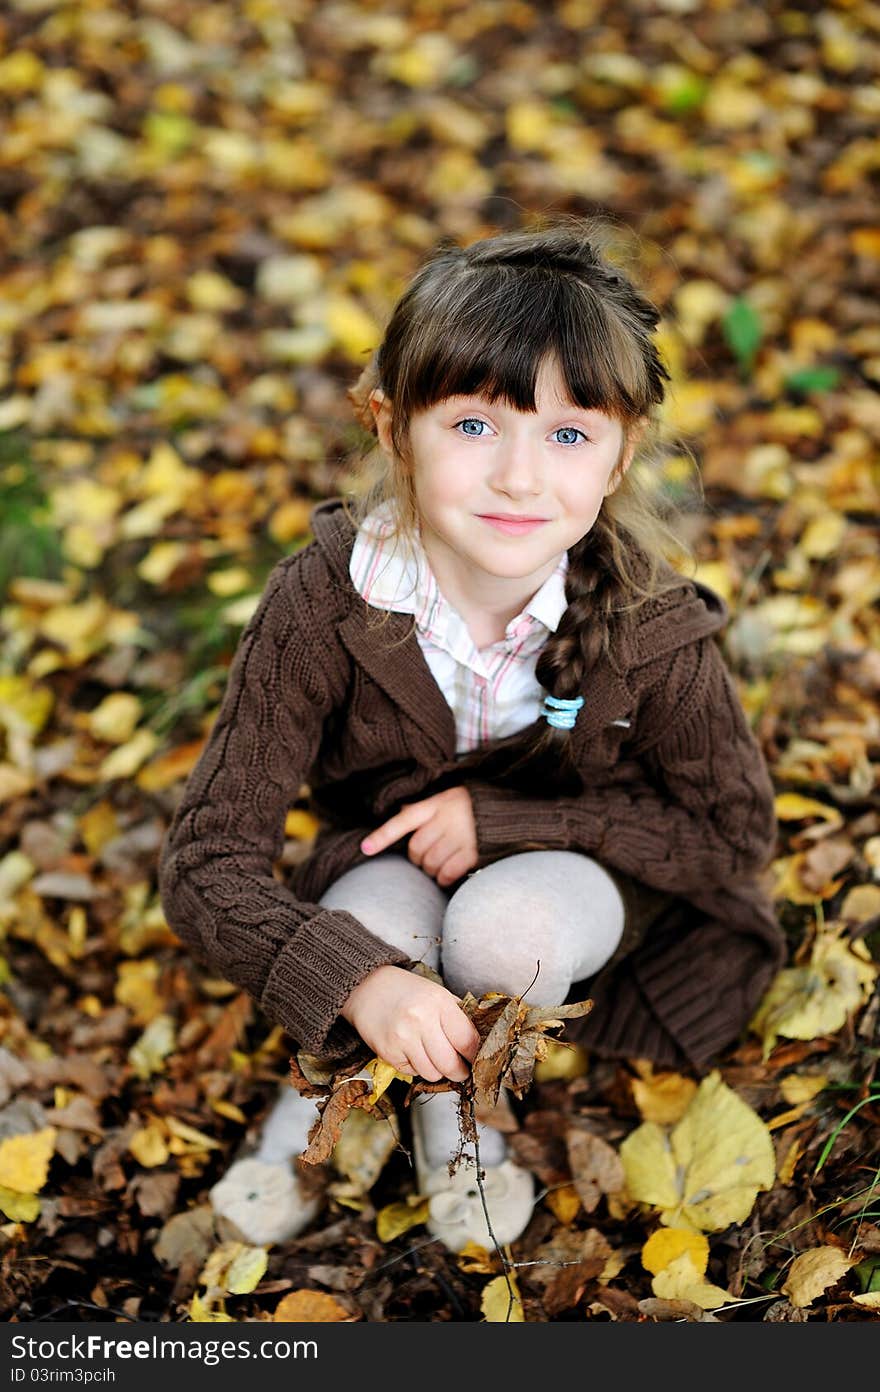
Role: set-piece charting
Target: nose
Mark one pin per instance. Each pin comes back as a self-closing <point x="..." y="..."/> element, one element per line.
<point x="516" y="469"/>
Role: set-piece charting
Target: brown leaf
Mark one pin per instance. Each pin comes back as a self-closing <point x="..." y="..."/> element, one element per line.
<point x="596" y="1167"/>
<point x="569" y="1284"/>
<point x="326" y="1130"/>
<point x="226" y="1033"/>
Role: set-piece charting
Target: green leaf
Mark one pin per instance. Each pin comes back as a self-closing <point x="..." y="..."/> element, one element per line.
<point x="743" y="330"/>
<point x="808" y="379"/>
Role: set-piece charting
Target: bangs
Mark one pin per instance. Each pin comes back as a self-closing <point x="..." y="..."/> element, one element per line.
<point x="489" y="331"/>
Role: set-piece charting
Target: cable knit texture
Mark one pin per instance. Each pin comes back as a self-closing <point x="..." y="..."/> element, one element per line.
<point x="677" y="805"/>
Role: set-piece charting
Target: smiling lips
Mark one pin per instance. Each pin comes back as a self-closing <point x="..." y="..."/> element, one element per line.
<point x="512" y="525"/>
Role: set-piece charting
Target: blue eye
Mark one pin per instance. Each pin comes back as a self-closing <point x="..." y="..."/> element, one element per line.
<point x="474" y="435"/>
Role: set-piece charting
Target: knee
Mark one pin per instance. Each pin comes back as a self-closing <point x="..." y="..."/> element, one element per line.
<point x="499" y="941"/>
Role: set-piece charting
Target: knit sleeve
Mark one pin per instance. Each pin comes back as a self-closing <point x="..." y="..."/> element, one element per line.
<point x="702" y="814"/>
<point x="216" y="882"/>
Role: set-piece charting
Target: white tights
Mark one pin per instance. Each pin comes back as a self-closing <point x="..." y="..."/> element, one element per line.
<point x="559" y="908"/>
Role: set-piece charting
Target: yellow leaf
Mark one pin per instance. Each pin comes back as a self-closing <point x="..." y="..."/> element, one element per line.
<point x="863" y="901"/>
<point x="397" y="1218"/>
<point x="24" y="1160"/>
<point x="496" y="1301"/>
<point x="650" y="1167"/>
<point x="474" y="1258"/>
<point x="310" y="1307"/>
<point x="565" y="1203"/>
<point x="662" y="1097"/>
<point x="246" y="1271"/>
<point x="530" y="125"/>
<point x="201" y="1312"/>
<point x="115" y="718"/>
<point x="717" y="575"/>
<point x="681" y="1280"/>
<point x="794" y="807"/>
<point x="364" y="1146"/>
<point x="21" y="1208"/>
<point x="127" y="759"/>
<point x="300" y="826"/>
<point x="136" y="987"/>
<point x="802" y="1087"/>
<point x="560" y="1060"/>
<point x="707" y="1172"/>
<point x="818" y="997"/>
<point x="812" y="1272"/>
<point x="213" y="1273"/>
<point x="667" y="1244"/>
<point x="147" y="1055"/>
<point x="149" y="1146"/>
<point x="228" y="1110"/>
<point x="823" y="535"/>
<point x="870" y="1299"/>
<point x="352" y="328"/>
<point x="790" y="1161"/>
<point x="191" y="1138"/>
<point x="383" y="1075"/>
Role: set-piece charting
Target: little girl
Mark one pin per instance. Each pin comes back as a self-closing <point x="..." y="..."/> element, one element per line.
<point x="532" y="767"/>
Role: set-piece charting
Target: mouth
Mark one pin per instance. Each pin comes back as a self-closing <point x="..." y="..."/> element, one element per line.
<point x="511" y="523"/>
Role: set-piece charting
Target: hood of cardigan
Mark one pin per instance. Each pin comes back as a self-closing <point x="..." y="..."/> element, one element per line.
<point x="682" y="615"/>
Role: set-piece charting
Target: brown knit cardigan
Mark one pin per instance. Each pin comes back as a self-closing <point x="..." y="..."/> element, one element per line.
<point x="678" y="806"/>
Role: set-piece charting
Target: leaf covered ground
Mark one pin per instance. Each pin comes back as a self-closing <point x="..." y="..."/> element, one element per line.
<point x="206" y="211"/>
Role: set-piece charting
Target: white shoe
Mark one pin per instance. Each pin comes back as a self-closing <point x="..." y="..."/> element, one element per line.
<point x="261" y="1194"/>
<point x="263" y="1200"/>
<point x="455" y="1209"/>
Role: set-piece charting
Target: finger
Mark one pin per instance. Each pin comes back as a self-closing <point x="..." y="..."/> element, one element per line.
<point x="422" y="1063"/>
<point x="421" y="842"/>
<point x="407" y="819"/>
<point x="461" y="1034"/>
<point x="437" y="854"/>
<point x="458" y="864"/>
<point x="446" y="1057"/>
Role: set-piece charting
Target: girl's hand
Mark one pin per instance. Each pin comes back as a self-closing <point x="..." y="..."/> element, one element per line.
<point x="445" y="840"/>
<point x="414" y="1024"/>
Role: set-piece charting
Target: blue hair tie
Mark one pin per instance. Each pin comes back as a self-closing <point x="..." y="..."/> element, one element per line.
<point x="559" y="713"/>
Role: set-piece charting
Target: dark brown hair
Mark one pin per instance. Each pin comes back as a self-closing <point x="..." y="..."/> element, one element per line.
<point x="482" y="319"/>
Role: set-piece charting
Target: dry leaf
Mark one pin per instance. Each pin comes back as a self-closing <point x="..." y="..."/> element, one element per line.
<point x="662" y="1097"/>
<point x="397" y="1218"/>
<point x="812" y="1272"/>
<point x="680" y="1280"/>
<point x="817" y="998"/>
<point x="705" y="1173"/>
<point x="665" y="1245"/>
<point x="595" y="1166"/>
<point x="24" y="1160"/>
<point x="310" y="1307"/>
<point x="501" y="1301"/>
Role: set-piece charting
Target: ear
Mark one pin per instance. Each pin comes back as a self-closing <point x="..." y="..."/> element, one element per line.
<point x="636" y="431"/>
<point x="380" y="406"/>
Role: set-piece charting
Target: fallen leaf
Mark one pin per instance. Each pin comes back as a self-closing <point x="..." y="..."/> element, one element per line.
<point x="680" y="1280"/>
<point x="812" y="1272"/>
<point x="397" y="1218"/>
<point x="807" y="1001"/>
<point x="662" y="1097"/>
<point x="706" y="1172"/>
<point x="24" y="1160"/>
<point x="310" y="1307"/>
<point x="596" y="1167"/>
<point x="501" y="1302"/>
<point x="665" y="1245"/>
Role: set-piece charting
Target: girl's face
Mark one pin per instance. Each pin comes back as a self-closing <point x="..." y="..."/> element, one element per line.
<point x="475" y="461"/>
